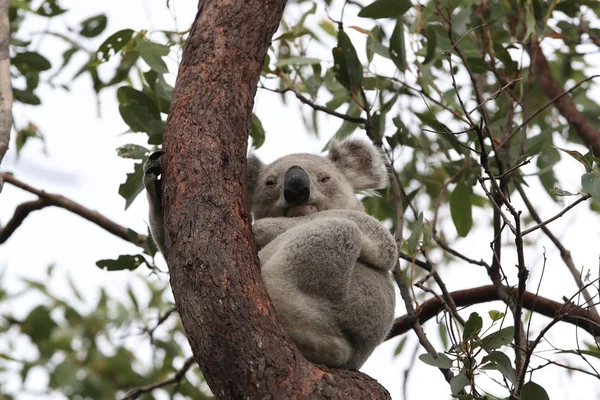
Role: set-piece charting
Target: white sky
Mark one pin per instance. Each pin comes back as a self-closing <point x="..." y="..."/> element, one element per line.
<point x="82" y="164"/>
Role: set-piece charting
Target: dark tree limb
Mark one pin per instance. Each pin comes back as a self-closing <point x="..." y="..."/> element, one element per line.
<point x="564" y="104"/>
<point x="176" y="378"/>
<point x="577" y="316"/>
<point x="57" y="200"/>
<point x="6" y="96"/>
<point x="21" y="212"/>
<point x="215" y="276"/>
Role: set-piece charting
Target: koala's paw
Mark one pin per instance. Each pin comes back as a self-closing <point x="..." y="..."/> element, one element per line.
<point x="152" y="176"/>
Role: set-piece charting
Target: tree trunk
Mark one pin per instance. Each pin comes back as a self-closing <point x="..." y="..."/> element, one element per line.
<point x="215" y="273"/>
<point x="5" y="83"/>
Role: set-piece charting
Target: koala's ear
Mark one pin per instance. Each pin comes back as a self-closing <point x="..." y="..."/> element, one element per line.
<point x="253" y="169"/>
<point x="361" y="162"/>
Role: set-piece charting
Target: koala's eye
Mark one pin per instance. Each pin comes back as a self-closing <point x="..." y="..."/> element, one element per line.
<point x="270" y="182"/>
<point x="325" y="179"/>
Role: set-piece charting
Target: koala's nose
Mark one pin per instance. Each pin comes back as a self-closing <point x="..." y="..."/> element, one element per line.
<point x="296" y="186"/>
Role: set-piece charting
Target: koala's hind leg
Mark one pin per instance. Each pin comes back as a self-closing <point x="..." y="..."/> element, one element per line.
<point x="153" y="185"/>
<point x="318" y="257"/>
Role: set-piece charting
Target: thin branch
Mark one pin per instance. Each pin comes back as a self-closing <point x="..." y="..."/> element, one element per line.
<point x="176" y="378"/>
<point x="58" y="200"/>
<point x="564" y="253"/>
<point x="317" y="107"/>
<point x="560" y="214"/>
<point x="161" y="319"/>
<point x="484" y="294"/>
<point x="6" y="96"/>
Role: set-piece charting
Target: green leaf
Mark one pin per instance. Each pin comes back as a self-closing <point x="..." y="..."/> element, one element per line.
<point x="30" y="61"/>
<point x="137" y="109"/>
<point x="348" y="69"/>
<point x="533" y="391"/>
<point x="93" y="26"/>
<point x="152" y="54"/>
<point x="502" y="364"/>
<point x="38" y="325"/>
<point x="577" y="156"/>
<point x="133" y="151"/>
<point x="373" y="38"/>
<point x="495" y="315"/>
<point x="26" y="97"/>
<point x="348" y="127"/>
<point x="50" y="8"/>
<point x="591" y="184"/>
<point x="472" y="326"/>
<point x="64" y="375"/>
<point x="461" y="209"/>
<point x="498" y="339"/>
<point x="415" y="235"/>
<point x="431" y="38"/>
<point x="297" y="61"/>
<point x="129" y="262"/>
<point x="397" y="46"/>
<point x="458" y="382"/>
<point x="385" y="9"/>
<point x="442" y="360"/>
<point x="133" y="185"/>
<point x="561" y="192"/>
<point x="257" y="132"/>
<point x="115" y="43"/>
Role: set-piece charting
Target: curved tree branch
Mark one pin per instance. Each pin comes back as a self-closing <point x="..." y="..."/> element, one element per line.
<point x="51" y="199"/>
<point x="215" y="276"/>
<point x="5" y="85"/>
<point x="577" y="316"/>
<point x="564" y="104"/>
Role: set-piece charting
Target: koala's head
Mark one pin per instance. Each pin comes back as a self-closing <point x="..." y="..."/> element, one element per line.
<point x="302" y="184"/>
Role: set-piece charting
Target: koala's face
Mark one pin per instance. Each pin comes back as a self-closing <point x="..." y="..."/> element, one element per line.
<point x="302" y="184"/>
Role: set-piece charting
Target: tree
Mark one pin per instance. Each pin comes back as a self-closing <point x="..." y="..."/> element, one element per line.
<point x="474" y="99"/>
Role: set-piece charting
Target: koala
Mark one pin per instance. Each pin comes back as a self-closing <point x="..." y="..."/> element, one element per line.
<point x="325" y="262"/>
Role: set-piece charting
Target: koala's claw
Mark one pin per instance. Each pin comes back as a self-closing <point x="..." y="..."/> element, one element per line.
<point x="152" y="173"/>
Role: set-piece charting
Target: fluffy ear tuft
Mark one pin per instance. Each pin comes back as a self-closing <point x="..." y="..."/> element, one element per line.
<point x="361" y="163"/>
<point x="253" y="168"/>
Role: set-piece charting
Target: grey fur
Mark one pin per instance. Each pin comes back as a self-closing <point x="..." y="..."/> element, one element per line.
<point x="327" y="270"/>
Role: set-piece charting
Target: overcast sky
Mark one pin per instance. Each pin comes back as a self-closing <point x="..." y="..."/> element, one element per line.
<point x="82" y="164"/>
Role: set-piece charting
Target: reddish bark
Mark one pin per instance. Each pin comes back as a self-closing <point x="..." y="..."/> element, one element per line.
<point x="563" y="103"/>
<point x="215" y="277"/>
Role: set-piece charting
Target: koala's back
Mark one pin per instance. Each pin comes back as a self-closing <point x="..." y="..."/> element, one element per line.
<point x="366" y="315"/>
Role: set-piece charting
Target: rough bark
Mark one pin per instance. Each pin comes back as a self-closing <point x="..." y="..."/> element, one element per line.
<point x="564" y="104"/>
<point x="215" y="277"/>
<point x="5" y="86"/>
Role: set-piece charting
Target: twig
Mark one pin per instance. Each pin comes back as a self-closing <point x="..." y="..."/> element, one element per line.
<point x="560" y="214"/>
<point x="317" y="107"/>
<point x="176" y="378"/>
<point x="564" y="253"/>
<point x="562" y="313"/>
<point x="161" y="319"/>
<point x="58" y="200"/>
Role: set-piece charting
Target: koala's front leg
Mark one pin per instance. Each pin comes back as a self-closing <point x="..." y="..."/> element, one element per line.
<point x="378" y="247"/>
<point x="153" y="185"/>
<point x="267" y="229"/>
